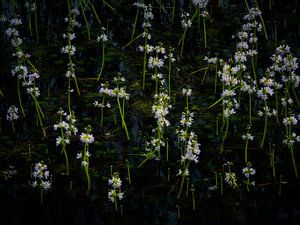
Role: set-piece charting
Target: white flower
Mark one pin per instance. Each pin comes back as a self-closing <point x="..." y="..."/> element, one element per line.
<point x="155" y="62"/>
<point x="200" y="3"/>
<point x="248" y="137"/>
<point x="87" y="138"/>
<point x="79" y="155"/>
<point x="187" y="92"/>
<point x="115" y="182"/>
<point x="248" y="171"/>
<point x="102" y="37"/>
<point x="12" y="113"/>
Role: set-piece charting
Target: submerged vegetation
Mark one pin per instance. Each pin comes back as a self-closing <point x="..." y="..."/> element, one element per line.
<point x="149" y="112"/>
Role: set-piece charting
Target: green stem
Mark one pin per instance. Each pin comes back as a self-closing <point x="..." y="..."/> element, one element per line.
<point x="250" y="109"/>
<point x="144" y="64"/>
<point x="204" y="76"/>
<point x="85" y="19"/>
<point x="67" y="160"/>
<point x="204" y="32"/>
<point x="181" y="186"/>
<point x="135" y="21"/>
<point x="182" y="41"/>
<point x="122" y="117"/>
<point x="225" y="135"/>
<point x="173" y="10"/>
<point x="19" y="97"/>
<point x="265" y="128"/>
<point x="169" y="77"/>
<point x="102" y="62"/>
<point x="86" y="168"/>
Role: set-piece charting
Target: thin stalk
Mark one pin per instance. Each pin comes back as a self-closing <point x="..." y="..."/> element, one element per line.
<point x="29" y="23"/>
<point x="67" y="161"/>
<point x="216" y="78"/>
<point x="95" y="12"/>
<point x="173" y="10"/>
<point x="39" y="117"/>
<point x="182" y="41"/>
<point x="265" y="128"/>
<point x="135" y="21"/>
<point x="225" y="135"/>
<point x="169" y="76"/>
<point x="122" y="117"/>
<point x="144" y="64"/>
<point x="130" y="42"/>
<point x="128" y="171"/>
<point x="262" y="21"/>
<point x="109" y="6"/>
<point x="204" y="32"/>
<point x="102" y="62"/>
<point x="161" y="6"/>
<point x="19" y="97"/>
<point x="204" y="76"/>
<point x="86" y="168"/>
<point x="250" y="109"/>
<point x="85" y="19"/>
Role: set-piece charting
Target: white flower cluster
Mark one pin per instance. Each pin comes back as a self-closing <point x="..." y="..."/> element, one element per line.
<point x="153" y="146"/>
<point x="230" y="179"/>
<point x="200" y="3"/>
<point x="103" y="37"/>
<point x="115" y="193"/>
<point x="248" y="171"/>
<point x="28" y="79"/>
<point x="41" y="176"/>
<point x="67" y="127"/>
<point x="87" y="138"/>
<point x="70" y="49"/>
<point x="248" y="137"/>
<point x="28" y="76"/>
<point x="267" y="111"/>
<point x="155" y="62"/>
<point x="147" y="12"/>
<point x="13" y="33"/>
<point x="290" y="137"/>
<point x="12" y="113"/>
<point x="192" y="150"/>
<point x="160" y="109"/>
<point x="186" y="22"/>
<point x="285" y="64"/>
<point x="30" y="7"/>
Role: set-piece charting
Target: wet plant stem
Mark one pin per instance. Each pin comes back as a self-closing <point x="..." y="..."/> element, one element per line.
<point x="122" y="118"/>
<point x="204" y="32"/>
<point x="173" y="10"/>
<point x="183" y="179"/>
<point x="250" y="110"/>
<point x="144" y="63"/>
<point x="135" y="21"/>
<point x="19" y="97"/>
<point x="128" y="171"/>
<point x="86" y="168"/>
<point x="102" y="61"/>
<point x="169" y="76"/>
<point x="265" y="127"/>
